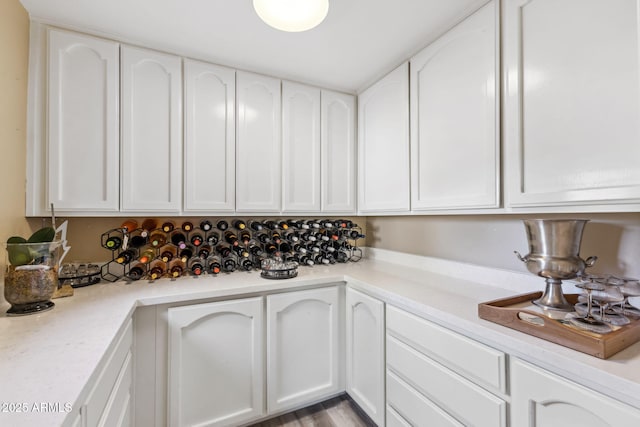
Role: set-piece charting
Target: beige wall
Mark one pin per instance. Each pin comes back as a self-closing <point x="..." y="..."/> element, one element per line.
<point x="14" y="52"/>
<point x="491" y="239"/>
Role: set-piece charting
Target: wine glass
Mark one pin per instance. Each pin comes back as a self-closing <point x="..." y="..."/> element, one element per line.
<point x="607" y="297"/>
<point x="630" y="288"/>
<point x="588" y="321"/>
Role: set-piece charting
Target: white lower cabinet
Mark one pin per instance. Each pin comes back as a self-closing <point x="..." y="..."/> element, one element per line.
<point x="438" y="375"/>
<point x="216" y="363"/>
<point x="303" y="347"/>
<point x="109" y="403"/>
<point x="365" y="353"/>
<point x="542" y="399"/>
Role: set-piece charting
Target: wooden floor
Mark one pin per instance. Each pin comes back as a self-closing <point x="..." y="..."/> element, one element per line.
<point x="340" y="411"/>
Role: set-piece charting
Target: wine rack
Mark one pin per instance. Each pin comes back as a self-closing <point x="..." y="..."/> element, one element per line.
<point x="211" y="247"/>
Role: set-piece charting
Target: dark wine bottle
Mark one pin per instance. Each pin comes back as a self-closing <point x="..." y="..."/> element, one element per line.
<point x="213" y="265"/>
<point x="176" y="268"/>
<point x="186" y="253"/>
<point x="271" y="225"/>
<point x="136" y="272"/>
<point x="136" y="239"/>
<point x="231" y="238"/>
<point x="223" y="250"/>
<point x="168" y="226"/>
<point x="125" y="257"/>
<point x="187" y="226"/>
<point x="204" y="251"/>
<point x="291" y="236"/>
<point x="113" y="243"/>
<point x="157" y="269"/>
<point x="255" y="250"/>
<point x="246" y="264"/>
<point x="179" y="239"/>
<point x="255" y="225"/>
<point x="195" y="265"/>
<point x="241" y="251"/>
<point x="196" y="239"/>
<point x="283" y="224"/>
<point x="263" y="238"/>
<point x="229" y="264"/>
<point x="168" y="252"/>
<point x="245" y="236"/>
<point x="276" y="238"/>
<point x="222" y="225"/>
<point x="206" y="225"/>
<point x="239" y="224"/>
<point x="213" y="237"/>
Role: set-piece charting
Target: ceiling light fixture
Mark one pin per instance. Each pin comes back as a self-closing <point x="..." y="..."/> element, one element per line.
<point x="292" y="15"/>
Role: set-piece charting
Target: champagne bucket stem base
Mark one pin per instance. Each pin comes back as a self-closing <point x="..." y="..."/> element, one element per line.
<point x="553" y="298"/>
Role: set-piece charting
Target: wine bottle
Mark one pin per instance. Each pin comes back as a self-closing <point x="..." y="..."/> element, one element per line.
<point x="213" y="264"/>
<point x="291" y="236"/>
<point x="255" y="225"/>
<point x="178" y="238"/>
<point x="239" y="224"/>
<point x="270" y="248"/>
<point x="148" y="225"/>
<point x="276" y="238"/>
<point x="231" y="238"/>
<point x="113" y="243"/>
<point x="241" y="251"/>
<point x="187" y="226"/>
<point x="320" y="259"/>
<point x="129" y="225"/>
<point x="186" y="253"/>
<point x="255" y="250"/>
<point x="246" y="264"/>
<point x="245" y="236"/>
<point x="196" y="239"/>
<point x="304" y="259"/>
<point x="157" y="269"/>
<point x="136" y="272"/>
<point x="262" y="238"/>
<point x="147" y="255"/>
<point x="136" y="239"/>
<point x="206" y="225"/>
<point x="355" y="234"/>
<point x="285" y="247"/>
<point x="168" y="252"/>
<point x="307" y="236"/>
<point x="168" y="226"/>
<point x="297" y="247"/>
<point x="312" y="247"/>
<point x="213" y="237"/>
<point x="176" y="268"/>
<point x="222" y="225"/>
<point x="195" y="265"/>
<point x="157" y="239"/>
<point x="125" y="257"/>
<point x="223" y="250"/>
<point x="229" y="264"/>
<point x="342" y="256"/>
<point x="283" y="224"/>
<point x="271" y="225"/>
<point x="204" y="251"/>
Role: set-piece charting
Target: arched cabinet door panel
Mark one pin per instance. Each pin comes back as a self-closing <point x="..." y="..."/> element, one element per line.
<point x="83" y="125"/>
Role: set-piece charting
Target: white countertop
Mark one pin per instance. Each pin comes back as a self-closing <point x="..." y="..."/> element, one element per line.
<point x="51" y="357"/>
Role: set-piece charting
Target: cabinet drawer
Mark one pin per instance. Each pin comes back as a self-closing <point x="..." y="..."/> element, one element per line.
<point x="412" y="407"/>
<point x="99" y="396"/>
<point x="477" y="362"/>
<point x="459" y="397"/>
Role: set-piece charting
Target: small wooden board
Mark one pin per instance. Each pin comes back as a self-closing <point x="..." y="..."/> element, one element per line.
<point x="512" y="312"/>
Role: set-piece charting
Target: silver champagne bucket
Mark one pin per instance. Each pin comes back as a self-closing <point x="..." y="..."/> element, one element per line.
<point x="554" y="253"/>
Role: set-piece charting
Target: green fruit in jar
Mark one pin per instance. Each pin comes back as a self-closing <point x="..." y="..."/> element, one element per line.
<point x="18" y="253"/>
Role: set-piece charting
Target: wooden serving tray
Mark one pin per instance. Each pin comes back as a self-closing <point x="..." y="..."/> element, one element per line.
<point x="519" y="313"/>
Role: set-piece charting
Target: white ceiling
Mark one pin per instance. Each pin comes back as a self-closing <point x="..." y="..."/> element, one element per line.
<point x="359" y="41"/>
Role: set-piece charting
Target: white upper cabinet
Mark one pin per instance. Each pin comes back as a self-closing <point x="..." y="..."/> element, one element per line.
<point x="258" y="143"/>
<point x="82" y="126"/>
<point x="209" y="144"/>
<point x="338" y="165"/>
<point x="301" y="147"/>
<point x="572" y="102"/>
<point x="151" y="159"/>
<point x="455" y="144"/>
<point x="383" y="144"/>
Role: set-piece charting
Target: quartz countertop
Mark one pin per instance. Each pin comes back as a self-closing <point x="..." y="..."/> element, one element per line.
<point x="48" y="360"/>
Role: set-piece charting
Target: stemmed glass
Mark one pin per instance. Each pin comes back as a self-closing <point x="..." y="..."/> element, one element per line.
<point x="588" y="321"/>
<point x="630" y="288"/>
<point x="607" y="297"/>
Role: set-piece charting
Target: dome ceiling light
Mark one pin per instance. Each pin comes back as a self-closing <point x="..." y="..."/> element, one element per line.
<point x="292" y="15"/>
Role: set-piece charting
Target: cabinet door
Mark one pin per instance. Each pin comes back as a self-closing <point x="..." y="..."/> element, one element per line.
<point x="383" y="144"/>
<point x="539" y="398"/>
<point x="454" y="117"/>
<point x="151" y="131"/>
<point x="210" y="137"/>
<point x="572" y="104"/>
<point x="216" y="363"/>
<point x="83" y="126"/>
<point x="338" y="163"/>
<point x="258" y="173"/>
<point x="301" y="147"/>
<point x="303" y="354"/>
<point x="365" y="353"/>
